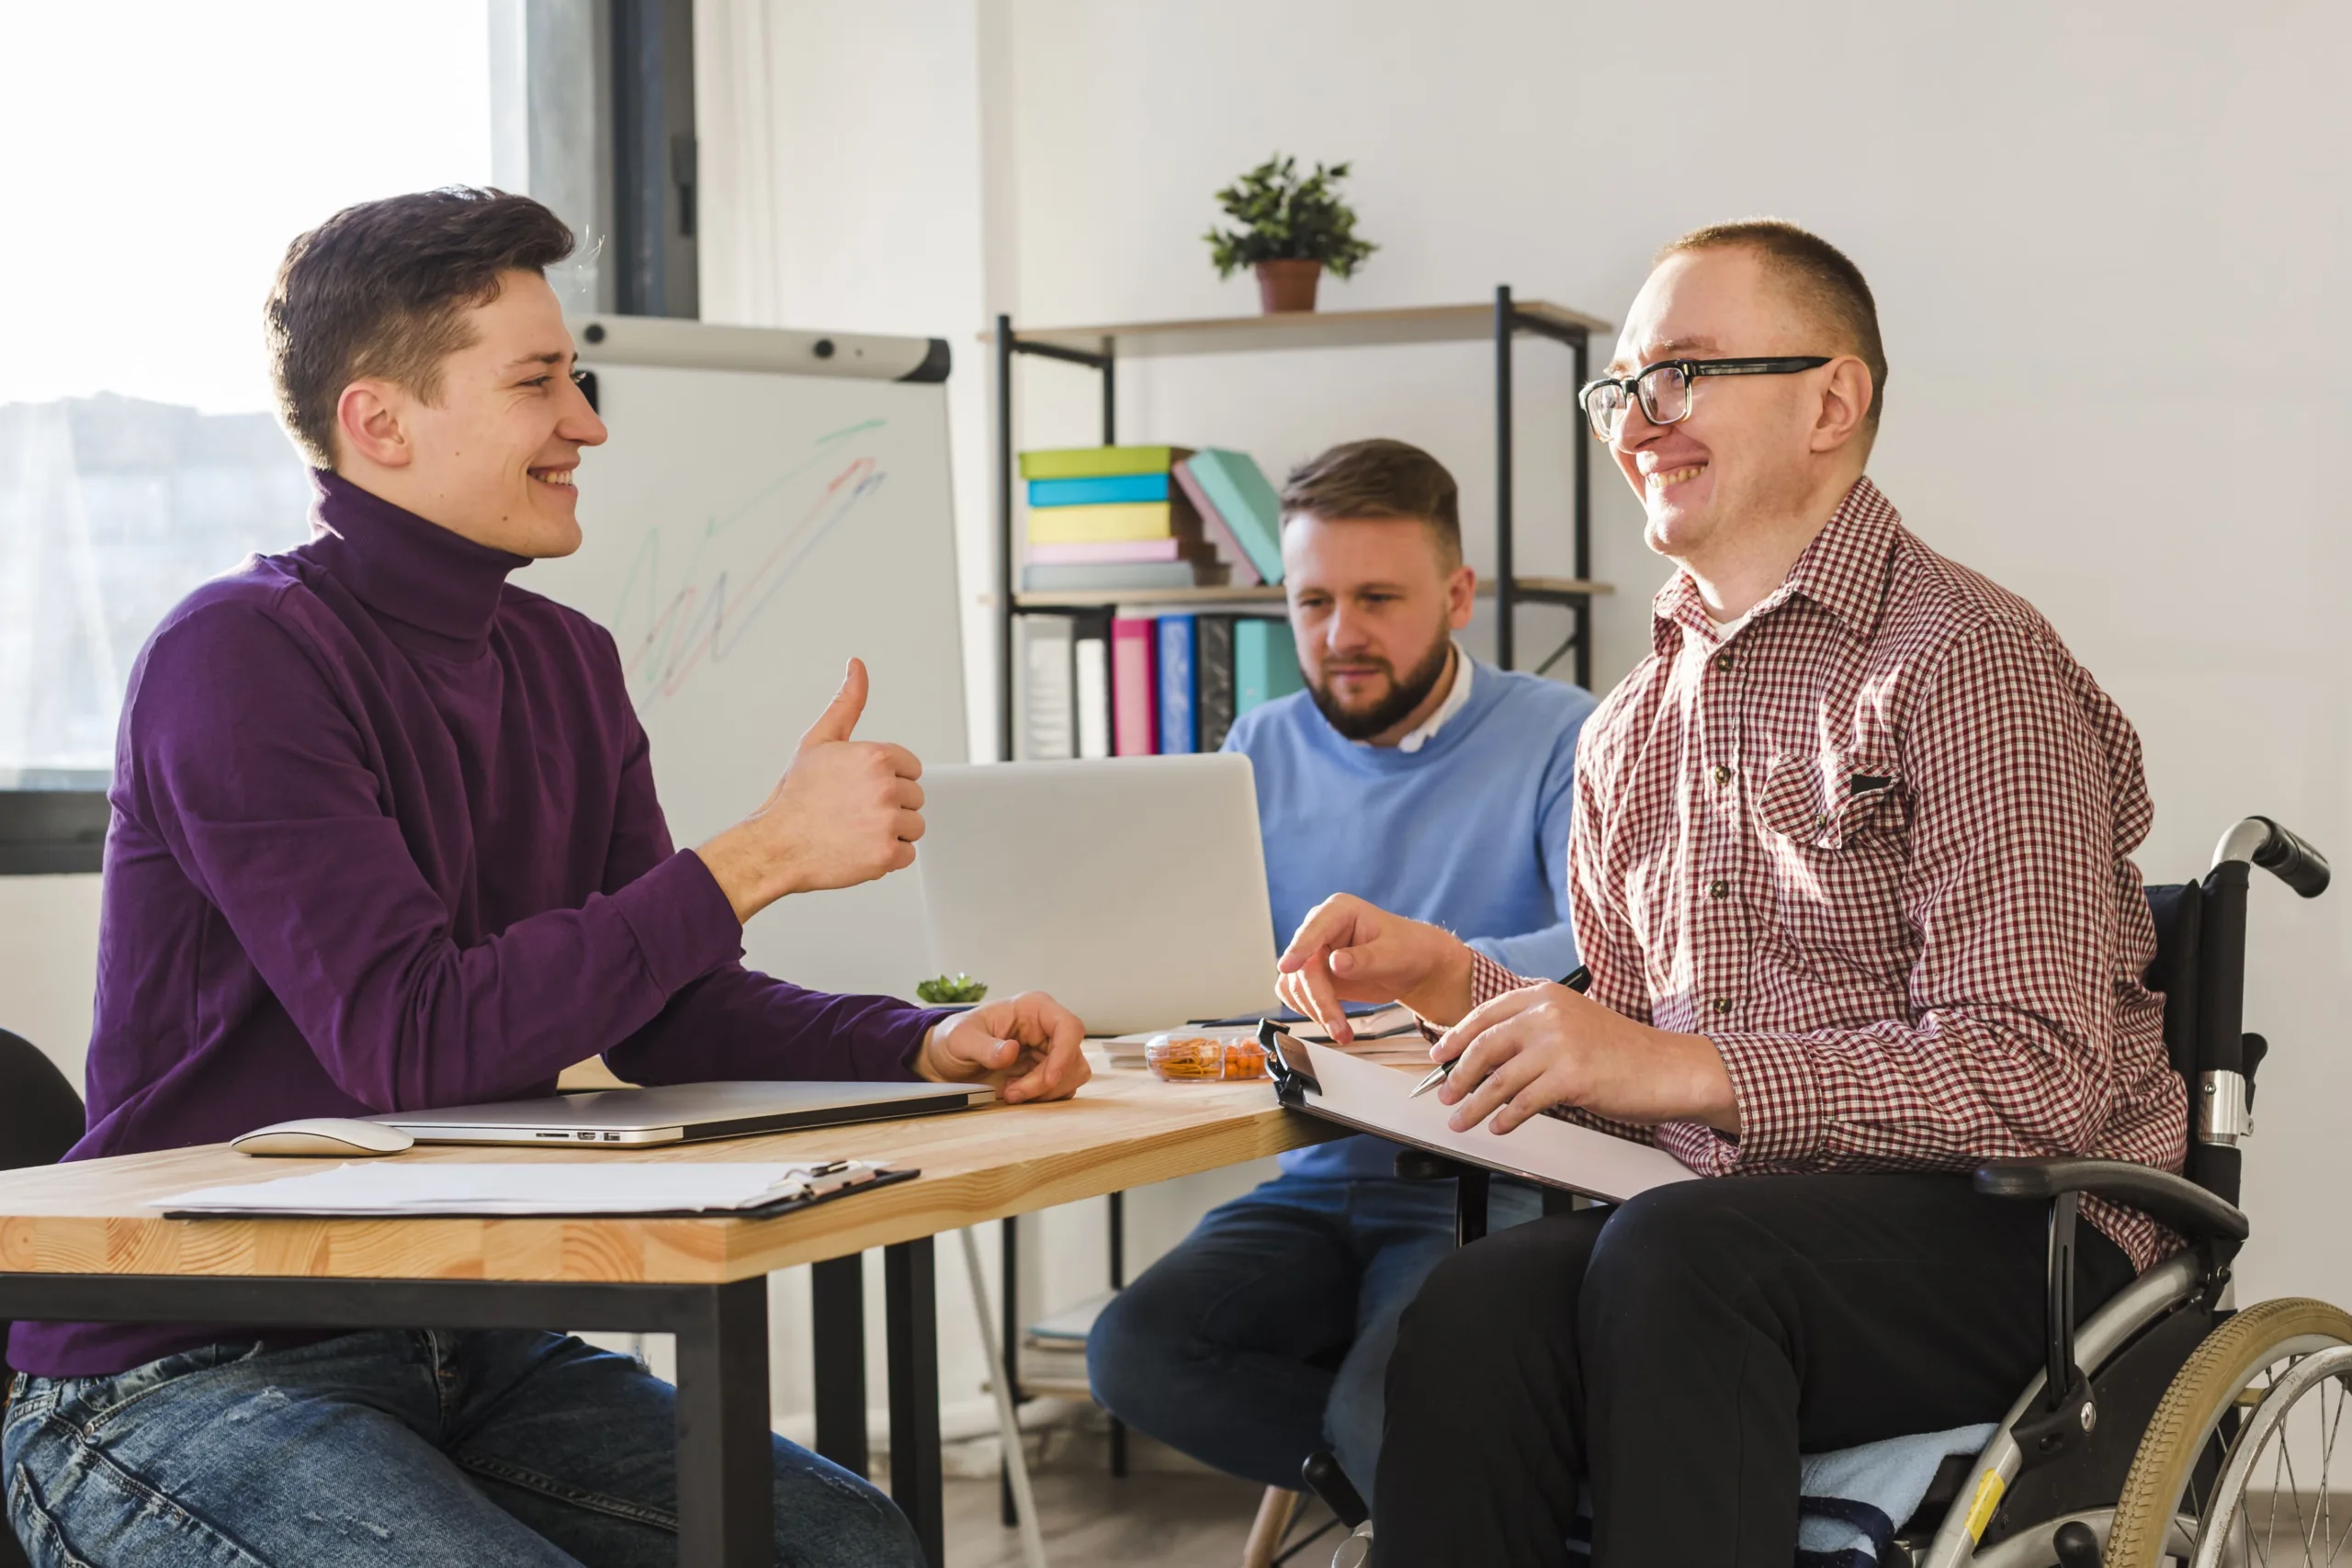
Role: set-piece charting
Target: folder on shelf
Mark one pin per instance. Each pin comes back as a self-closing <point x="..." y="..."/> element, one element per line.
<point x="1044" y="696"/>
<point x="1111" y="525"/>
<point x="1177" y="710"/>
<point x="1102" y="489"/>
<point x="1214" y="530"/>
<point x="1116" y="577"/>
<point x="1213" y="678"/>
<point x="1096" y="462"/>
<point x="1238" y="492"/>
<point x="1265" y="662"/>
<point x="1091" y="683"/>
<point x="1121" y="552"/>
<point x="1134" y="689"/>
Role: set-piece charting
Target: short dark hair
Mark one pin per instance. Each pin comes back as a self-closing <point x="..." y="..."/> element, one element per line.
<point x="1823" y="278"/>
<point x="1379" y="478"/>
<point x="380" y="289"/>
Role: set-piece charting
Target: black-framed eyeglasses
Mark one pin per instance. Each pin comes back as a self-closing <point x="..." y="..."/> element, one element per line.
<point x="1663" y="388"/>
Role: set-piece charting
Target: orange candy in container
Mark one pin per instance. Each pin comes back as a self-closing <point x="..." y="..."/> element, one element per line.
<point x="1193" y="1059"/>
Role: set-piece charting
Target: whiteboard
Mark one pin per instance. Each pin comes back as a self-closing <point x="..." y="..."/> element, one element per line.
<point x="746" y="532"/>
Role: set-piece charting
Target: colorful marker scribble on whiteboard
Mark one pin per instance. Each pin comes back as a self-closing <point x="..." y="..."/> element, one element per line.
<point x="693" y="594"/>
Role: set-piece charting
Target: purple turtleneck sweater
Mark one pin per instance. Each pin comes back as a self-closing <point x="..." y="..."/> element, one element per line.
<point x="385" y="837"/>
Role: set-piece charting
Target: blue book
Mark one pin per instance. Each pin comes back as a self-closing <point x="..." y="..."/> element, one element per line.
<point x="1110" y="489"/>
<point x="1265" y="662"/>
<point x="1237" y="487"/>
<point x="1179" y="709"/>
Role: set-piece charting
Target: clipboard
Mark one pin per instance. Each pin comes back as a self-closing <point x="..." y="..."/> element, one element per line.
<point x="1544" y="1150"/>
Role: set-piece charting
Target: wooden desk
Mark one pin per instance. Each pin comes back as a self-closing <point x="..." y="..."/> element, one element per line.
<point x="79" y="1243"/>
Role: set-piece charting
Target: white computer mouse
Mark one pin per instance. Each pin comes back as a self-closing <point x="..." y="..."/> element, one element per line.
<point x="324" y="1136"/>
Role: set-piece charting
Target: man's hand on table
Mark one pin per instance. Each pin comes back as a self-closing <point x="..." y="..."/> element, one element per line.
<point x="846" y="811"/>
<point x="1028" y="1046"/>
<point x="1540" y="1046"/>
<point x="1349" y="951"/>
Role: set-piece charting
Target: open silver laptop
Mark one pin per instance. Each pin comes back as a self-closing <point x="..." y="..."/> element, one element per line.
<point x="681" y="1114"/>
<point x="1133" y="889"/>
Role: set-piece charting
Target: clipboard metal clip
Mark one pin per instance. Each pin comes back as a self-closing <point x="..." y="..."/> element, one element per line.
<point x="1288" y="1064"/>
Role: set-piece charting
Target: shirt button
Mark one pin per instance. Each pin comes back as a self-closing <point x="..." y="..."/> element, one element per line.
<point x="1723" y="660"/>
<point x="1723" y="1004"/>
<point x="1718" y="890"/>
<point x="1722" y="775"/>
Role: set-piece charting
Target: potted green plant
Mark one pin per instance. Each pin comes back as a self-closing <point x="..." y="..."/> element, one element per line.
<point x="1293" y="229"/>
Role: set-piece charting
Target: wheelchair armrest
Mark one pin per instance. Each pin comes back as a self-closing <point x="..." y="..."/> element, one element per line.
<point x="2175" y="1201"/>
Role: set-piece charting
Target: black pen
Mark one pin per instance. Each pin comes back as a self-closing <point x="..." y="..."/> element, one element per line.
<point x="1579" y="980"/>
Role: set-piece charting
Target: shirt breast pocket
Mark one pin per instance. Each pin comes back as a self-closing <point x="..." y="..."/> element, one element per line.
<point x="1836" y="831"/>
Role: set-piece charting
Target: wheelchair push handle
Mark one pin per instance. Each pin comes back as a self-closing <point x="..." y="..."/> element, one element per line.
<point x="2278" y="850"/>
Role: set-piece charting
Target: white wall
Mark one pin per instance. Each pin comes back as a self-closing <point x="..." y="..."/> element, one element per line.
<point x="49" y="964"/>
<point x="2106" y="241"/>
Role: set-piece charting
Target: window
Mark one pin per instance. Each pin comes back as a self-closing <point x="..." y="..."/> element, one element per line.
<point x="158" y="157"/>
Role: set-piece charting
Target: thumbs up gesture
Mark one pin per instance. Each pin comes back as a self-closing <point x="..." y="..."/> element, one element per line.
<point x="846" y="811"/>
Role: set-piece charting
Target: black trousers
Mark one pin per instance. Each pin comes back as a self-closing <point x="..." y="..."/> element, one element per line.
<point x="1680" y="1352"/>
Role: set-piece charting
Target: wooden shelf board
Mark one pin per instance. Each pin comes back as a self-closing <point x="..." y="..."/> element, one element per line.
<point x="1301" y="329"/>
<point x="1258" y="595"/>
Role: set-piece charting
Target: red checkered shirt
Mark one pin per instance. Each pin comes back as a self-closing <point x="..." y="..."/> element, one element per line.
<point x="1876" y="846"/>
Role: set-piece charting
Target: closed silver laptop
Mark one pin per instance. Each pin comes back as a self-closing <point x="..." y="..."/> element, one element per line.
<point x="681" y="1114"/>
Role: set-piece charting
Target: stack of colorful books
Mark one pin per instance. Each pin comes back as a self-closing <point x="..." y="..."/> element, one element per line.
<point x="1132" y="519"/>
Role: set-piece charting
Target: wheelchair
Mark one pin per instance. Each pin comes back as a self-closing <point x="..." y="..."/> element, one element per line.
<point x="2172" y="1426"/>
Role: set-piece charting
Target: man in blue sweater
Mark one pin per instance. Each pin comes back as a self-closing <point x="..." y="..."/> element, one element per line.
<point x="1410" y="774"/>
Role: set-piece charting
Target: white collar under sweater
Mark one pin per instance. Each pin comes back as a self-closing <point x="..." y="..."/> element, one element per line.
<point x="1423" y="733"/>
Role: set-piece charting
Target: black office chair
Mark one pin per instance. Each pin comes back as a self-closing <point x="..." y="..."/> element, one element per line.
<point x="40" y="1118"/>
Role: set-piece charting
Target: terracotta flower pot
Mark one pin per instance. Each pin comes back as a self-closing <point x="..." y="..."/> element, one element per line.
<point x="1287" y="284"/>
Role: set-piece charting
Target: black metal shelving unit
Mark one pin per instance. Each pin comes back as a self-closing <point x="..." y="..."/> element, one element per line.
<point x="1101" y="350"/>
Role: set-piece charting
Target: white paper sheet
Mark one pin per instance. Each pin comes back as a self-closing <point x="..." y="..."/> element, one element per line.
<point x="1544" y="1149"/>
<point x="601" y="1186"/>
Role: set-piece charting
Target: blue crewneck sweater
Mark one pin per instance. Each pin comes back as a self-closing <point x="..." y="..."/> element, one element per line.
<point x="1470" y="832"/>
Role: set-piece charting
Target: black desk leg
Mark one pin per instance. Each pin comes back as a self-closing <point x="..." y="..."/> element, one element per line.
<point x="1118" y="1282"/>
<point x="725" y="1466"/>
<point x="837" y="1313"/>
<point x="1008" y="1298"/>
<point x="911" y="1305"/>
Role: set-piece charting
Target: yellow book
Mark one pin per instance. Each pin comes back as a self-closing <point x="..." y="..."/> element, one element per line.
<point x="1109" y="525"/>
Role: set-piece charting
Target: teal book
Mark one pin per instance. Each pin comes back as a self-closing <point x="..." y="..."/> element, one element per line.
<point x="1179" y="709"/>
<point x="1106" y="490"/>
<point x="1238" y="487"/>
<point x="1265" y="662"/>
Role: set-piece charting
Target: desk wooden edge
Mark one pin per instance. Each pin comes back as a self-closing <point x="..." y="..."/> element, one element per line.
<point x="664" y="1251"/>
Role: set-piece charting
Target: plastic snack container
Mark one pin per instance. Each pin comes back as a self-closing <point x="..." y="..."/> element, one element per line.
<point x="1193" y="1058"/>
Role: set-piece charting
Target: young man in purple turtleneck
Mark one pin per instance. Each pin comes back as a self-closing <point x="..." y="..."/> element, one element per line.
<point x="385" y="836"/>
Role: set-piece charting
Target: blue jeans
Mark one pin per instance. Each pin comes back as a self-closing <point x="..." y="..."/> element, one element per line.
<point x="394" y="1447"/>
<point x="1265" y="1335"/>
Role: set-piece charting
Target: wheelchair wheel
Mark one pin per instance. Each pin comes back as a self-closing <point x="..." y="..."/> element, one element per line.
<point x="2237" y="1466"/>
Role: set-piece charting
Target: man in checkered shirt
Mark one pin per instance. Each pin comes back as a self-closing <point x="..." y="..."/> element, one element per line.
<point x="1851" y="869"/>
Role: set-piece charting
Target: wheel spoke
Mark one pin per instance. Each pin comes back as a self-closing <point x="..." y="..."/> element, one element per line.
<point x="2295" y="1489"/>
